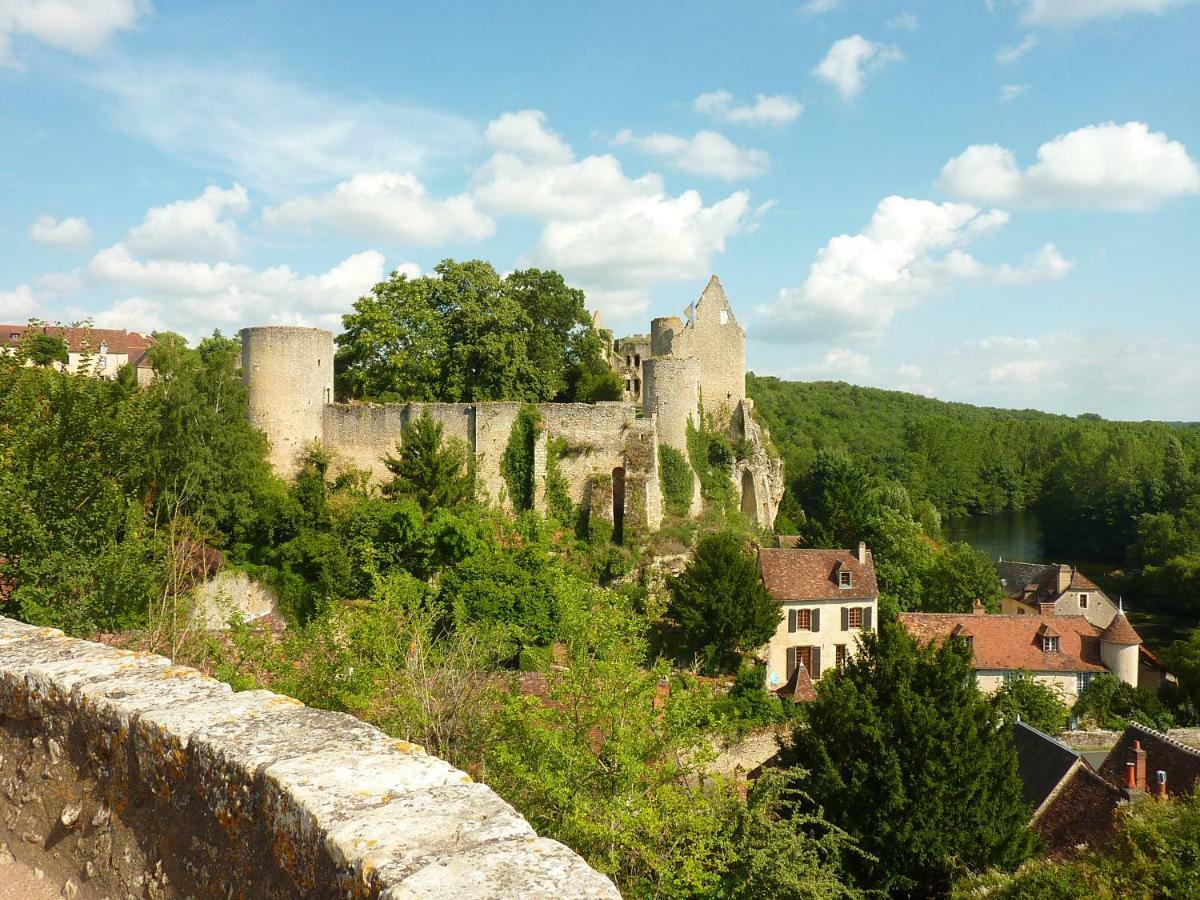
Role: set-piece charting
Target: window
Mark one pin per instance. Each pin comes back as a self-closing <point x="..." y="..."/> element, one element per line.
<point x="724" y="317"/>
<point x="845" y="579"/>
<point x="854" y="617"/>
<point x="1082" y="680"/>
<point x="1009" y="676"/>
<point x="1083" y="601"/>
<point x="637" y="359"/>
<point x="804" y="620"/>
<point x="1020" y="610"/>
<point x="840" y="656"/>
<point x="1050" y="644"/>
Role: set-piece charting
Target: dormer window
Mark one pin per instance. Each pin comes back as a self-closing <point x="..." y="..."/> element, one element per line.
<point x="1049" y="644"/>
<point x="845" y="580"/>
<point x="1083" y="601"/>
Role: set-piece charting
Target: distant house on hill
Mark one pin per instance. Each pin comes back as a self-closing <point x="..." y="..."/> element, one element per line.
<point x="94" y="351"/>
<point x="1074" y="804"/>
<point x="1064" y="652"/>
<point x="1027" y="586"/>
<point x="829" y="597"/>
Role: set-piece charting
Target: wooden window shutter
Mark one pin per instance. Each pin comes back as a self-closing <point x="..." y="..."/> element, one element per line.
<point x="866" y="618"/>
<point x="816" y="662"/>
<point x="845" y="618"/>
<point x="791" y="662"/>
<point x="814" y="620"/>
<point x="791" y="620"/>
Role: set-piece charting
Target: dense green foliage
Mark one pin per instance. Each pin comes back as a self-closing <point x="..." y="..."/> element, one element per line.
<point x="464" y="333"/>
<point x="711" y="456"/>
<point x="904" y="753"/>
<point x="1036" y="703"/>
<point x="719" y="602"/>
<point x="46" y="349"/>
<point x="676" y="480"/>
<point x="1155" y="853"/>
<point x="1123" y="492"/>
<point x="1109" y="702"/>
<point x="431" y="471"/>
<point x="516" y="465"/>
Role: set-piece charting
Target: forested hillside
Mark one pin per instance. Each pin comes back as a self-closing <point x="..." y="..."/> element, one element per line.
<point x="1126" y="491"/>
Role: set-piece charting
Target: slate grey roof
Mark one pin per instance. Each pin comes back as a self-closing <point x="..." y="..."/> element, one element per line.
<point x="1042" y="763"/>
<point x="1015" y="575"/>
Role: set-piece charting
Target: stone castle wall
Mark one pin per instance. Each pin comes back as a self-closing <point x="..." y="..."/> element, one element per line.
<point x="122" y="775"/>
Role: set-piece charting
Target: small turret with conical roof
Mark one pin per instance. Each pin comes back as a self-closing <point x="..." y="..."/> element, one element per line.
<point x="1119" y="647"/>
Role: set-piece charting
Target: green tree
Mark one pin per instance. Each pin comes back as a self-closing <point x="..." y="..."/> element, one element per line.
<point x="1036" y="704"/>
<point x="432" y="472"/>
<point x="960" y="576"/>
<point x="720" y="603"/>
<point x="466" y="334"/>
<point x="1112" y="703"/>
<point x="46" y="349"/>
<point x="905" y="754"/>
<point x="1183" y="658"/>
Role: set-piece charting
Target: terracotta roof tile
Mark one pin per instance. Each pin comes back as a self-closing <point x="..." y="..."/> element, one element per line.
<point x="118" y="340"/>
<point x="1182" y="764"/>
<point x="799" y="688"/>
<point x="1082" y="812"/>
<point x="1119" y="631"/>
<point x="1009" y="643"/>
<point x="813" y="574"/>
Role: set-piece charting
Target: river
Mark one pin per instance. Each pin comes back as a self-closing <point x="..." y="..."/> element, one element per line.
<point x="1015" y="535"/>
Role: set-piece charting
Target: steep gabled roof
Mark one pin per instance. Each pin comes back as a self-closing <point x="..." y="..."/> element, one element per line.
<point x="1181" y="763"/>
<point x="1009" y="643"/>
<point x="1042" y="763"/>
<point x="77" y="339"/>
<point x="812" y="574"/>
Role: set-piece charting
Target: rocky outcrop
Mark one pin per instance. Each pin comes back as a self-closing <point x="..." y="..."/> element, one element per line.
<point x="122" y="775"/>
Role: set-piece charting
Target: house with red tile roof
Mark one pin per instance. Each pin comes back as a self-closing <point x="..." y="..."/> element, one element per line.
<point x="828" y="598"/>
<point x="97" y="351"/>
<point x="1063" y="652"/>
<point x="1027" y="586"/>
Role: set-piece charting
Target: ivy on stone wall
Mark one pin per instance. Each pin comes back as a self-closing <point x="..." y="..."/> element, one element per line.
<point x="675" y="478"/>
<point x="516" y="465"/>
<point x="558" y="496"/>
<point x="711" y="455"/>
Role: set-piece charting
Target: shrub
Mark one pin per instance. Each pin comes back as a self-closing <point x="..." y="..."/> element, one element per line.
<point x="676" y="479"/>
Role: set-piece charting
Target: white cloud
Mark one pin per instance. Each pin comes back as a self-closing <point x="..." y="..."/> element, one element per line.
<point x="818" y="7"/>
<point x="78" y="26"/>
<point x="272" y="134"/>
<point x="613" y="235"/>
<point x="386" y="206"/>
<point x="192" y="229"/>
<point x="1011" y="53"/>
<point x="1010" y="92"/>
<point x="704" y="153"/>
<point x="1120" y="167"/>
<point x="909" y="250"/>
<point x="196" y="297"/>
<point x="68" y="232"/>
<point x="839" y="363"/>
<point x="849" y="61"/>
<point x="1065" y="13"/>
<point x="18" y="304"/>
<point x="905" y="21"/>
<point x="776" y="109"/>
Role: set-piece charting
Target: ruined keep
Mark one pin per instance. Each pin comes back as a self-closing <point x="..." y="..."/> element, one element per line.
<point x="606" y="453"/>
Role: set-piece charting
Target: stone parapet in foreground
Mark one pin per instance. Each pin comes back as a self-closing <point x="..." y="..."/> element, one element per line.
<point x="123" y="775"/>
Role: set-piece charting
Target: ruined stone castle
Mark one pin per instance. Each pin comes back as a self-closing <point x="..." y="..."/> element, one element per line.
<point x="687" y="368"/>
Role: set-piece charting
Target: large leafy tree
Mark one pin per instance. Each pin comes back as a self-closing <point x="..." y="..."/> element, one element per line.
<point x="905" y="754"/>
<point x="465" y="334"/>
<point x="46" y="349"/>
<point x="433" y="472"/>
<point x="720" y="603"/>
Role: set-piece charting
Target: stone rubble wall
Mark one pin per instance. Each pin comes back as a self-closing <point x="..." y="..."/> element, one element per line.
<point x="123" y="776"/>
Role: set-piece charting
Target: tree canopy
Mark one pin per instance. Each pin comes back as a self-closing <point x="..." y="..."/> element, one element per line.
<point x="464" y="333"/>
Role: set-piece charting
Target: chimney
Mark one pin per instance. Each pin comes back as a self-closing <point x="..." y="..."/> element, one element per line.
<point x="1065" y="574"/>
<point x="1046" y="609"/>
<point x="1131" y="776"/>
<point x="1160" y="790"/>
<point x="978" y="609"/>
<point x="1139" y="766"/>
<point x="862" y="553"/>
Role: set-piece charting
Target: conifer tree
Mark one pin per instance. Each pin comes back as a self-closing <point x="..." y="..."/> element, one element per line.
<point x="905" y="754"/>
<point x="434" y="474"/>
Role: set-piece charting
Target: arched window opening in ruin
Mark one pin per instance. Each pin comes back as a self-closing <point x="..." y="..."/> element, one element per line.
<point x="749" y="497"/>
<point x="618" y="495"/>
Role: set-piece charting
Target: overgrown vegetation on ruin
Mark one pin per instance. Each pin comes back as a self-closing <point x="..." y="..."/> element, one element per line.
<point x="676" y="481"/>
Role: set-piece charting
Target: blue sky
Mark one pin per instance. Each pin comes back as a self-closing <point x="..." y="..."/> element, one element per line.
<point x="989" y="202"/>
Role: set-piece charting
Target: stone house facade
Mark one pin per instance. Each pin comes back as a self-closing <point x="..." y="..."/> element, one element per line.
<point x="1028" y="585"/>
<point x="828" y="598"/>
<point x="610" y="464"/>
<point x="1063" y="652"/>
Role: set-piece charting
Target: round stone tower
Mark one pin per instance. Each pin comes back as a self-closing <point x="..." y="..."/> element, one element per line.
<point x="663" y="332"/>
<point x="1119" y="649"/>
<point x="671" y="388"/>
<point x="288" y="373"/>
